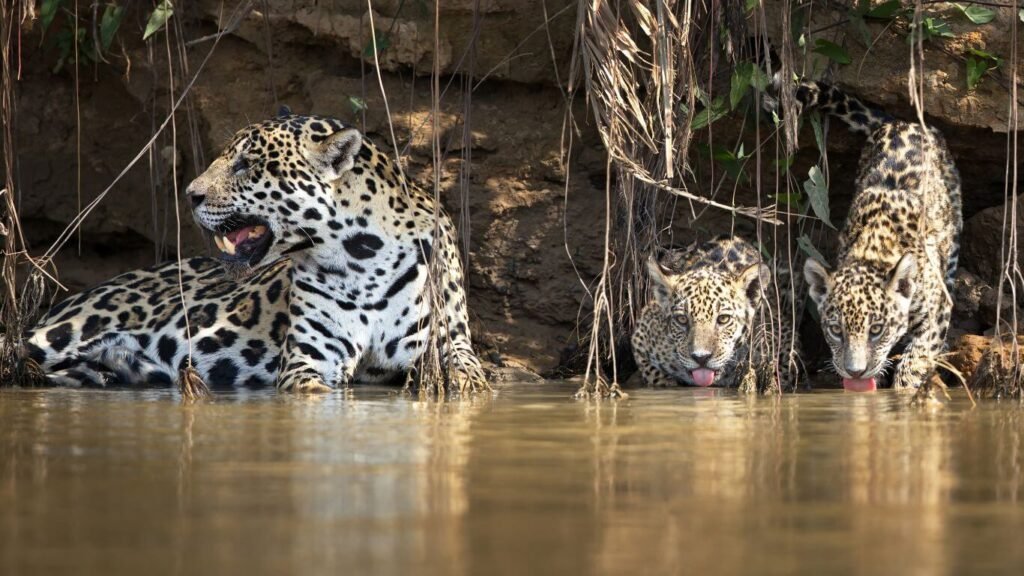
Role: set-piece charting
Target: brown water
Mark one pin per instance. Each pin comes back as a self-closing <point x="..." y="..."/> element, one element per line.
<point x="527" y="482"/>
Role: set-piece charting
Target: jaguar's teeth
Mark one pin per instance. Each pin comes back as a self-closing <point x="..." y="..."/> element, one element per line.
<point x="224" y="244"/>
<point x="257" y="231"/>
<point x="229" y="246"/>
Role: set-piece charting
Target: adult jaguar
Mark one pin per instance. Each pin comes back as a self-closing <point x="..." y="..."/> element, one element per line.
<point x="331" y="249"/>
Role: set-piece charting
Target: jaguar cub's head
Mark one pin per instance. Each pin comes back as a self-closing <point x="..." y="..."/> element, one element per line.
<point x="864" y="313"/>
<point x="708" y="314"/>
<point x="271" y="192"/>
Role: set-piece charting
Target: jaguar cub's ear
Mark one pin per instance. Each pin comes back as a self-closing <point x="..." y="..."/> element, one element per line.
<point x="901" y="279"/>
<point x="337" y="152"/>
<point x="754" y="279"/>
<point x="662" y="283"/>
<point x="818" y="281"/>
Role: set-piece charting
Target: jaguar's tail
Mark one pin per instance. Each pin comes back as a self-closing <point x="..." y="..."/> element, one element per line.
<point x="814" y="95"/>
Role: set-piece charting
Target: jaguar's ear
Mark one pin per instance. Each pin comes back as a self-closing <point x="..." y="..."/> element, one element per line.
<point x="284" y="110"/>
<point x="662" y="283"/>
<point x="901" y="278"/>
<point x="818" y="281"/>
<point x="337" y="152"/>
<point x="754" y="279"/>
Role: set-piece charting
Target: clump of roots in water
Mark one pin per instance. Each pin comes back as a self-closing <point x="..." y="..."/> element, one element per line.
<point x="191" y="385"/>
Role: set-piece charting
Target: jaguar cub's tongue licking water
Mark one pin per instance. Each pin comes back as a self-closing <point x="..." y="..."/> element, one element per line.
<point x="703" y="377"/>
<point x="859" y="384"/>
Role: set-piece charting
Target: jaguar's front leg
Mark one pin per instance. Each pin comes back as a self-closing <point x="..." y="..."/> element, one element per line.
<point x="925" y="347"/>
<point x="652" y="375"/>
<point x="319" y="354"/>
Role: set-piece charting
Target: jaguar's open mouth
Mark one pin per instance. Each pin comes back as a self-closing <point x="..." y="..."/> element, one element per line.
<point x="243" y="239"/>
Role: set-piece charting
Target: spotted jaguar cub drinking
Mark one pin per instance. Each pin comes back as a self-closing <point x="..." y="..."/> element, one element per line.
<point x="897" y="251"/>
<point x="710" y="322"/>
<point x="333" y="245"/>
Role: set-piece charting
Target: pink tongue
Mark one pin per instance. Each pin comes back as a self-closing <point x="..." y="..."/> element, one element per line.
<point x="239" y="236"/>
<point x="703" y="377"/>
<point x="859" y="384"/>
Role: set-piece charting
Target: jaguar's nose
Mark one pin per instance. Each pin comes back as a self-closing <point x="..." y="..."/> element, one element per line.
<point x="195" y="196"/>
<point x="701" y="358"/>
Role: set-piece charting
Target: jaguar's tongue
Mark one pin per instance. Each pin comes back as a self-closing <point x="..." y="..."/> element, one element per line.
<point x="241" y="235"/>
<point x="703" y="377"/>
<point x="859" y="384"/>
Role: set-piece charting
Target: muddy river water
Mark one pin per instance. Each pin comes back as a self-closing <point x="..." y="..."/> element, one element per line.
<point x="527" y="481"/>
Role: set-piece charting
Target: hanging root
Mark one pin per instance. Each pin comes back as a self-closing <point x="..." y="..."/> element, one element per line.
<point x="597" y="387"/>
<point x="191" y="385"/>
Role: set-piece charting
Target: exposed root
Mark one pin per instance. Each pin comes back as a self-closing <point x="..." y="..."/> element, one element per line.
<point x="999" y="373"/>
<point x="191" y="385"/>
<point x="30" y="373"/>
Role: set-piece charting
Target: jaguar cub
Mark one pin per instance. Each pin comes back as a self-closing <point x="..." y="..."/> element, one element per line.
<point x="897" y="251"/>
<point x="710" y="320"/>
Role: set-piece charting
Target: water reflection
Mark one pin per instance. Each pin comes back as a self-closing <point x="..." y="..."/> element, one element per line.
<point x="527" y="482"/>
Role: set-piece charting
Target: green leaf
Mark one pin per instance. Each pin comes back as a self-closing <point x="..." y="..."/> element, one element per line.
<point x="708" y="115"/>
<point x="937" y="27"/>
<point x="885" y="10"/>
<point x="817" y="193"/>
<point x="357" y="104"/>
<point x="819" y="133"/>
<point x="158" y="19"/>
<point x="740" y="83"/>
<point x="751" y="4"/>
<point x="381" y="45"/>
<point x="977" y="14"/>
<point x="788" y="199"/>
<point x="976" y="68"/>
<point x="930" y="28"/>
<point x="48" y="11"/>
<point x="760" y="80"/>
<point x="805" y="244"/>
<point x="109" y="23"/>
<point x="782" y="165"/>
<point x="832" y="50"/>
<point x="986" y="55"/>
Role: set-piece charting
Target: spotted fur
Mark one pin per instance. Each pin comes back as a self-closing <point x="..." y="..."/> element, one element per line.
<point x="331" y="283"/>
<point x="714" y="306"/>
<point x="897" y="251"/>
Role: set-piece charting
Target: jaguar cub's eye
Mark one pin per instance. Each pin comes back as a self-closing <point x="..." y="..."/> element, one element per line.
<point x="875" y="330"/>
<point x="835" y="330"/>
<point x="724" y="319"/>
<point x="240" y="165"/>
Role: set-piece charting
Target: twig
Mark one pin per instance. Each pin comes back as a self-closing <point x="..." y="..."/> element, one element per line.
<point x="233" y="25"/>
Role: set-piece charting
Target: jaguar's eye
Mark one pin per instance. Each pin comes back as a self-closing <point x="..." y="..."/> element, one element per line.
<point x="240" y="165"/>
<point x="724" y="319"/>
<point x="835" y="331"/>
<point x="681" y="319"/>
<point x="875" y="331"/>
